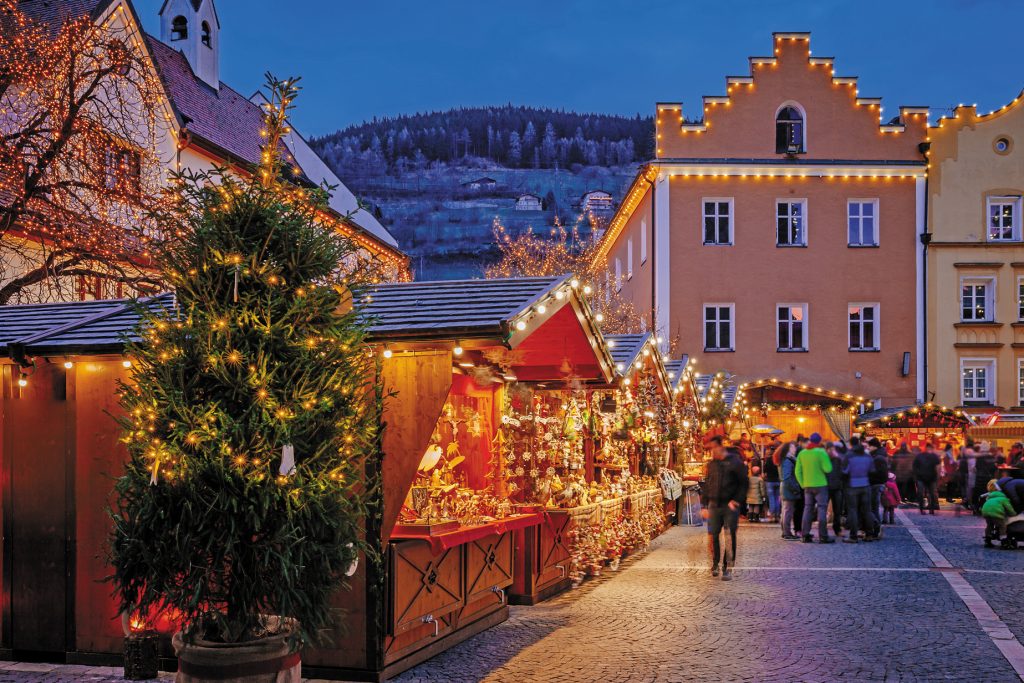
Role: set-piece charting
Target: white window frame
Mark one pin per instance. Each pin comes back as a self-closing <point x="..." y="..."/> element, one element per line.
<point x="629" y="258"/>
<point x="778" y="340"/>
<point x="643" y="241"/>
<point x="876" y="340"/>
<point x="1013" y="201"/>
<point x="1020" y="298"/>
<point x="803" y="203"/>
<point x="618" y="274"/>
<point x="704" y="217"/>
<point x="1020" y="381"/>
<point x="989" y="364"/>
<point x="990" y="298"/>
<point x="732" y="325"/>
<point x="860" y="227"/>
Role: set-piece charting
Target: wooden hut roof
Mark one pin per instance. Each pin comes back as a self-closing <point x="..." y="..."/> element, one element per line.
<point x="79" y="327"/>
<point x="625" y="348"/>
<point x="452" y="308"/>
<point x="918" y="416"/>
<point x="728" y="390"/>
<point x="675" y="369"/>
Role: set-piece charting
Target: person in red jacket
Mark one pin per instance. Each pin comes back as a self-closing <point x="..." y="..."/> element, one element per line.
<point x="890" y="500"/>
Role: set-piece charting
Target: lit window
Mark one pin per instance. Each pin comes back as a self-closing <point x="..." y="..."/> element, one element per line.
<point x="1020" y="382"/>
<point x="718" y="221"/>
<point x="718" y="327"/>
<point x="977" y="380"/>
<point x="791" y="223"/>
<point x="1020" y="298"/>
<point x="205" y="35"/>
<point x="863" y="327"/>
<point x="791" y="328"/>
<point x="1004" y="219"/>
<point x="789" y="131"/>
<point x="862" y="222"/>
<point x="122" y="170"/>
<point x="179" y="28"/>
<point x="976" y="303"/>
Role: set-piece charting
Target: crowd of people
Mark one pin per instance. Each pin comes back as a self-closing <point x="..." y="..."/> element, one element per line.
<point x="854" y="486"/>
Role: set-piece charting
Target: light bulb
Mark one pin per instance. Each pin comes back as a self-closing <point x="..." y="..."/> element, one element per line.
<point x="387" y="353"/>
<point x="599" y="317"/>
<point x="68" y="364"/>
<point x="457" y="350"/>
<point x="520" y="325"/>
<point x="126" y="363"/>
<point x="22" y="382"/>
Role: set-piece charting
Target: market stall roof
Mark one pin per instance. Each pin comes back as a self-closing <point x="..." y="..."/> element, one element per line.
<point x="626" y="348"/>
<point x="548" y="328"/>
<point x="81" y="327"/>
<point x="729" y="391"/>
<point x="786" y="392"/>
<point x="999" y="426"/>
<point x="919" y="416"/>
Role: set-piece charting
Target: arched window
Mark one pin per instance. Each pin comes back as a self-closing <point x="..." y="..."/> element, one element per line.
<point x="789" y="131"/>
<point x="179" y="28"/>
<point x="205" y="35"/>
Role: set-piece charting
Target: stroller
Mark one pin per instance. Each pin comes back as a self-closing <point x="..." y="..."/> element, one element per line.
<point x="1014" y="533"/>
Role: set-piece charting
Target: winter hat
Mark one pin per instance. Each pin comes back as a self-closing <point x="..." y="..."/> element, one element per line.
<point x="815" y="438"/>
<point x="892" y="477"/>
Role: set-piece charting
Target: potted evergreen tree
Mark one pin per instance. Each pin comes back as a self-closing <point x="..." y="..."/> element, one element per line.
<point x="252" y="422"/>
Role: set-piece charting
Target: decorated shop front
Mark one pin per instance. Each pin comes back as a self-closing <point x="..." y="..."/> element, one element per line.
<point x="917" y="425"/>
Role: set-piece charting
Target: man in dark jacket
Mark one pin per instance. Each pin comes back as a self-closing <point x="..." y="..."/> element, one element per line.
<point x="857" y="467"/>
<point x="877" y="478"/>
<point x="926" y="474"/>
<point x="721" y="496"/>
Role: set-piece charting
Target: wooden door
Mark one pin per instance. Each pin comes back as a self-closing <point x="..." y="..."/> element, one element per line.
<point x="35" y="509"/>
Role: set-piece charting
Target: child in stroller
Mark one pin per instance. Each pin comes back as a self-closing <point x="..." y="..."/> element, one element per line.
<point x="1002" y="521"/>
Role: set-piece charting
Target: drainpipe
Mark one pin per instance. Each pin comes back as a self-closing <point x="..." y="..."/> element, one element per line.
<point x="926" y="238"/>
<point x="653" y="256"/>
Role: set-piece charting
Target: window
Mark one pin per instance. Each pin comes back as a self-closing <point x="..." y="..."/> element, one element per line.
<point x="205" y="34"/>
<point x="718" y="327"/>
<point x="862" y="222"/>
<point x="718" y="221"/>
<point x="791" y="223"/>
<point x="789" y="131"/>
<point x="976" y="303"/>
<point x="179" y="28"/>
<point x="1020" y="382"/>
<point x="1004" y="219"/>
<point x="791" y="322"/>
<point x="977" y="380"/>
<point x="1020" y="299"/>
<point x="122" y="170"/>
<point x="863" y="327"/>
<point x="618" y="274"/>
<point x="643" y="242"/>
<point x="92" y="287"/>
<point x="629" y="259"/>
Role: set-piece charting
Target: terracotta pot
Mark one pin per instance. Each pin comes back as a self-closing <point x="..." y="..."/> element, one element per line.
<point x="265" y="660"/>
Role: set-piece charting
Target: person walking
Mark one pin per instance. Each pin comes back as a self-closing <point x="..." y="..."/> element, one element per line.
<point x="857" y="468"/>
<point x="812" y="468"/>
<point x="721" y="497"/>
<point x="966" y="470"/>
<point x="836" y="488"/>
<point x="790" y="490"/>
<point x="773" y="483"/>
<point x="926" y="475"/>
<point x="903" y="466"/>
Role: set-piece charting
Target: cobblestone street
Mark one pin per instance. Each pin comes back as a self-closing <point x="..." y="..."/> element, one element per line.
<point x="888" y="611"/>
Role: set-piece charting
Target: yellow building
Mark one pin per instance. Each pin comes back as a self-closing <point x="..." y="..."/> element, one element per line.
<point x="975" y="261"/>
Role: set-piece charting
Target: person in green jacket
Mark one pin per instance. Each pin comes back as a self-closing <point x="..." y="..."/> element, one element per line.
<point x="812" y="468"/>
<point x="996" y="510"/>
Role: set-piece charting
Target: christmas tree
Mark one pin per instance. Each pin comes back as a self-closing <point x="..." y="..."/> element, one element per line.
<point x="252" y="420"/>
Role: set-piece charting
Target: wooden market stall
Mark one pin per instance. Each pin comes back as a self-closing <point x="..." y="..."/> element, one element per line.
<point x="60" y="451"/>
<point x="797" y="408"/>
<point x="455" y="525"/>
<point x="687" y="456"/>
<point x="917" y="425"/>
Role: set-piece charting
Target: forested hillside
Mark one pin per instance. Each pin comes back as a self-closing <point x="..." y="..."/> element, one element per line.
<point x="418" y="171"/>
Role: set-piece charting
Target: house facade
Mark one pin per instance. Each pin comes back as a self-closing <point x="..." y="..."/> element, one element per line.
<point x="775" y="233"/>
<point x="529" y="202"/>
<point x="203" y="123"/>
<point x="975" y="261"/>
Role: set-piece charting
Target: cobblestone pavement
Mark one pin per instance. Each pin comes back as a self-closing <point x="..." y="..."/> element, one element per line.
<point x="793" y="613"/>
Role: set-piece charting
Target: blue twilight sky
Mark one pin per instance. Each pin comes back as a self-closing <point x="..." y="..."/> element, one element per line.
<point x="366" y="58"/>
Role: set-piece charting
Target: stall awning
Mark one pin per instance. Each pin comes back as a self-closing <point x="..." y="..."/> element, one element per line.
<point x="729" y="391"/>
<point x="626" y="349"/>
<point x="920" y="416"/>
<point x="81" y="327"/>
